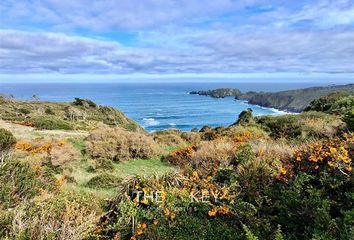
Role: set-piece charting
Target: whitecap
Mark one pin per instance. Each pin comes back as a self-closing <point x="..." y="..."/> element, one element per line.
<point x="150" y="122"/>
<point x="149" y="119"/>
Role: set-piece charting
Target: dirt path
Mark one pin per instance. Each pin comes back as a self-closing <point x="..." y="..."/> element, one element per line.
<point x="23" y="132"/>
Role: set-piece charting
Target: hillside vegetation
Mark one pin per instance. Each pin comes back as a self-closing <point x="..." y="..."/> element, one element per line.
<point x="80" y="114"/>
<point x="267" y="177"/>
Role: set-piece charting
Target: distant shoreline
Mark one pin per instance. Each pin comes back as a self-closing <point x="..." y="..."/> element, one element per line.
<point x="289" y="101"/>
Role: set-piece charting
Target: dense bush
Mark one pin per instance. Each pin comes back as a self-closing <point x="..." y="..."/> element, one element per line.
<point x="324" y="104"/>
<point x="20" y="181"/>
<point x="302" y="126"/>
<point x="207" y="156"/>
<point x="336" y="103"/>
<point x="343" y="105"/>
<point x="169" y="219"/>
<point x="84" y="103"/>
<point x="181" y="157"/>
<point x="24" y="111"/>
<point x="349" y="120"/>
<point x="117" y="144"/>
<point x="7" y="141"/>
<point x="49" y="111"/>
<point x="191" y="137"/>
<point x="64" y="216"/>
<point x="51" y="123"/>
<point x="104" y="181"/>
<point x="245" y="117"/>
<point x="2" y="100"/>
<point x="63" y="154"/>
<point x="174" y="138"/>
<point x="210" y="155"/>
<point x="169" y="138"/>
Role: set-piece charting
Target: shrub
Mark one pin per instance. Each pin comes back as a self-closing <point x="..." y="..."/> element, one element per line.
<point x="104" y="181"/>
<point x="176" y="217"/>
<point x="243" y="154"/>
<point x="74" y="113"/>
<point x="84" y="103"/>
<point x="302" y="126"/>
<point x="169" y="138"/>
<point x="207" y="156"/>
<point x="117" y="144"/>
<point x="254" y="177"/>
<point x="63" y="154"/>
<point x="56" y="153"/>
<point x="51" y="123"/>
<point x="2" y="100"/>
<point x="176" y="138"/>
<point x="24" y="111"/>
<point x="193" y="226"/>
<point x="205" y="128"/>
<point x="244" y="134"/>
<point x="335" y="154"/>
<point x="191" y="137"/>
<point x="325" y="103"/>
<point x="273" y="149"/>
<point x="349" y="120"/>
<point x="69" y="215"/>
<point x="181" y="157"/>
<point x="207" y="133"/>
<point x="49" y="111"/>
<point x="20" y="181"/>
<point x="343" y="105"/>
<point x="314" y="203"/>
<point x="245" y="117"/>
<point x="104" y="164"/>
<point x="7" y="141"/>
<point x="210" y="155"/>
<point x="38" y="146"/>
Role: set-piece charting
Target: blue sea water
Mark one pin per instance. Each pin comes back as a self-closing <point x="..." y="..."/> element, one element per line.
<point x="156" y="106"/>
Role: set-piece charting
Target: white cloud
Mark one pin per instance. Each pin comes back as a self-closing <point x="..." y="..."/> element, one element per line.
<point x="185" y="36"/>
<point x="114" y="15"/>
<point x="224" y="52"/>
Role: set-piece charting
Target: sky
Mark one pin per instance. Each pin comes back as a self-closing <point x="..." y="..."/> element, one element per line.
<point x="178" y="38"/>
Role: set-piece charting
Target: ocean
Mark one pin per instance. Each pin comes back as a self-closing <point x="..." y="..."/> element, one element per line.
<point x="157" y="106"/>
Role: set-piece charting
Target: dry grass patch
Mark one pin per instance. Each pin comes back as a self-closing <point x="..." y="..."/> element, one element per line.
<point x="117" y="144"/>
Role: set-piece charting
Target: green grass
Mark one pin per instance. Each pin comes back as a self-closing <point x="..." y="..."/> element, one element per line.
<point x="142" y="167"/>
<point x="136" y="167"/>
<point x="78" y="143"/>
<point x="103" y="193"/>
<point x="171" y="148"/>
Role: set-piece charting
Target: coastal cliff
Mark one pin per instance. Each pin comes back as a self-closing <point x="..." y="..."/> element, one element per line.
<point x="219" y="93"/>
<point x="290" y="100"/>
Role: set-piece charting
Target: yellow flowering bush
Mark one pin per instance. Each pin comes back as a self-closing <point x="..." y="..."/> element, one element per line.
<point x="336" y="153"/>
<point x="163" y="200"/>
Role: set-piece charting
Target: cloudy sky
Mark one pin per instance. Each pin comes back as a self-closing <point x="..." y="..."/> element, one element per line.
<point x="176" y="37"/>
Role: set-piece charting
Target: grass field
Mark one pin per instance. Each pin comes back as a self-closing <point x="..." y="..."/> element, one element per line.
<point x="136" y="167"/>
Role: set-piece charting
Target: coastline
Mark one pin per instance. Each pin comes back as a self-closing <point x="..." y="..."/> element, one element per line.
<point x="274" y="110"/>
<point x="288" y="101"/>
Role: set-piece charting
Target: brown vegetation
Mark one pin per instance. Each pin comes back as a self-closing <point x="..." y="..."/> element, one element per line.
<point x="117" y="144"/>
